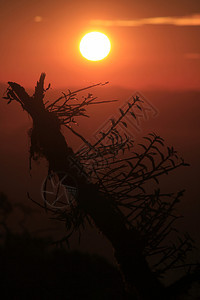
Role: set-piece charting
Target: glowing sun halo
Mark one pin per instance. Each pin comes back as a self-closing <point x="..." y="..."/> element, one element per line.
<point x="95" y="46"/>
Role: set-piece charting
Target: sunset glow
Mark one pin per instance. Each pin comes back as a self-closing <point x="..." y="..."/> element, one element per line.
<point x="147" y="46"/>
<point x="99" y="101"/>
<point x="95" y="46"/>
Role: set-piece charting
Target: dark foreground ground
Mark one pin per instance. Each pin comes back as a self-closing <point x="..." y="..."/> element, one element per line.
<point x="28" y="270"/>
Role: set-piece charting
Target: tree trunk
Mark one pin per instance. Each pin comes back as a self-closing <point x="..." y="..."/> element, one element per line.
<point x="127" y="244"/>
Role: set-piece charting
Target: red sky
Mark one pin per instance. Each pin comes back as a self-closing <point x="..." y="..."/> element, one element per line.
<point x="44" y="35"/>
<point x="143" y="57"/>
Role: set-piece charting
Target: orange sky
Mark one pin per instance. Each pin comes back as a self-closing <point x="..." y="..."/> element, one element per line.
<point x="147" y="52"/>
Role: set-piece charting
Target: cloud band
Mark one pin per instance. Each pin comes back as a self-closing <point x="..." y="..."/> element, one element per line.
<point x="193" y="20"/>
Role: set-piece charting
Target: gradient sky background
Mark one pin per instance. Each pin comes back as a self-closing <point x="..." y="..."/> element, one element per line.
<point x="162" y="61"/>
<point x="44" y="35"/>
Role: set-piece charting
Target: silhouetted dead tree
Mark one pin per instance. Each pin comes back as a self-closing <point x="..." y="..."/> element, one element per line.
<point x="112" y="190"/>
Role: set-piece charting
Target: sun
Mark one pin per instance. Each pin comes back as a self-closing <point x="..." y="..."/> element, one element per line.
<point x="95" y="46"/>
